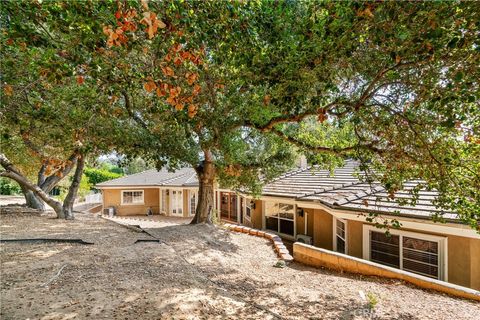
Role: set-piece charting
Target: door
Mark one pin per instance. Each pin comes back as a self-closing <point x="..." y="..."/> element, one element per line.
<point x="228" y="206"/>
<point x="176" y="202"/>
<point x="193" y="202"/>
<point x="242" y="204"/>
<point x="163" y="208"/>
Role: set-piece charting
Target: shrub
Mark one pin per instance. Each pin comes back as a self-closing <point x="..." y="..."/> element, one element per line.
<point x="9" y="187"/>
<point x="99" y="175"/>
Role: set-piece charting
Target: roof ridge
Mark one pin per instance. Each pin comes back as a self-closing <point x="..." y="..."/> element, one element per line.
<point x="343" y="185"/>
<point x="173" y="179"/>
<point x="128" y="175"/>
<point x="194" y="174"/>
<point x="359" y="195"/>
<point x="290" y="173"/>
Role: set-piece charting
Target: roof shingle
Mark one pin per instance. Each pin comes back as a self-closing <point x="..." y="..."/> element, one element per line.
<point x="340" y="189"/>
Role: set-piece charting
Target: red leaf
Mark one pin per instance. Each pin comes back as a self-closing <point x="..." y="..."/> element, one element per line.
<point x="8" y="89"/>
<point x="149" y="86"/>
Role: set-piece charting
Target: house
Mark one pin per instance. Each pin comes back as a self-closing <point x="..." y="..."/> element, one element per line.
<point x="327" y="210"/>
<point x="162" y="192"/>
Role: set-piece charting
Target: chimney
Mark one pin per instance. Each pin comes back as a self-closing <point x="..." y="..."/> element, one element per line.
<point x="302" y="162"/>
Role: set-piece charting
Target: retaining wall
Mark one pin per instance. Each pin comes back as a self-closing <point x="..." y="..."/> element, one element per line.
<point x="318" y="257"/>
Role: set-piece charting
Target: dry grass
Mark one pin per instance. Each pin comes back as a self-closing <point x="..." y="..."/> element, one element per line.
<point x="197" y="272"/>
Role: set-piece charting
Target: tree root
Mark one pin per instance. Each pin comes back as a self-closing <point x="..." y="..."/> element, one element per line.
<point x="80" y="241"/>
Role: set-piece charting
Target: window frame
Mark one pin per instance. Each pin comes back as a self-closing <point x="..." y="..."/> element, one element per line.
<point x="442" y="243"/>
<point x="345" y="223"/>
<point x="249" y="207"/>
<point x="171" y="203"/>
<point x="163" y="200"/>
<point x="123" y="203"/>
<point x="294" y="220"/>
<point x="190" y="193"/>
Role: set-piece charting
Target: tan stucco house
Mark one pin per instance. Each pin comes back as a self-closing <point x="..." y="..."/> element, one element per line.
<point x="323" y="209"/>
<point x="162" y="192"/>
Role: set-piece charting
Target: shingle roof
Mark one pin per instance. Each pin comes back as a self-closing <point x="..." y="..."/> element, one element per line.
<point x="343" y="189"/>
<point x="180" y="178"/>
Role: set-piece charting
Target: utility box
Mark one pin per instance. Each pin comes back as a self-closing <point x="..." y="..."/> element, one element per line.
<point x="110" y="211"/>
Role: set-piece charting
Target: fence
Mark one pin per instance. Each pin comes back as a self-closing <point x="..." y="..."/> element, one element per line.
<point x="91" y="198"/>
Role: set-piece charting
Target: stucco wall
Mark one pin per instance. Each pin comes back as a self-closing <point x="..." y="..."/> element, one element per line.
<point x="475" y="264"/>
<point x="307" y="214"/>
<point x="257" y="215"/>
<point x="459" y="270"/>
<point x="463" y="253"/>
<point x="322" y="229"/>
<point x="355" y="238"/>
<point x="112" y="197"/>
<point x="186" y="197"/>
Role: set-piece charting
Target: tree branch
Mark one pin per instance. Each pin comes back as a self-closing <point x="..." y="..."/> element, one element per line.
<point x="50" y="182"/>
<point x="337" y="151"/>
<point x="12" y="173"/>
<point x="131" y="113"/>
<point x="290" y="118"/>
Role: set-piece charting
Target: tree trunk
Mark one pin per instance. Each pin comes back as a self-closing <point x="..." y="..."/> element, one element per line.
<point x="206" y="179"/>
<point x="32" y="200"/>
<point x="24" y="183"/>
<point x="45" y="183"/>
<point x="73" y="189"/>
<point x="13" y="173"/>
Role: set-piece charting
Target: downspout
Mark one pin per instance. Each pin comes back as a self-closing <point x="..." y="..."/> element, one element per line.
<point x="306" y="222"/>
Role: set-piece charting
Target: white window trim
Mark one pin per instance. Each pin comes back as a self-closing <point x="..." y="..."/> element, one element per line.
<point x="163" y="201"/>
<point x="335" y="220"/>
<point x="170" y="204"/>
<point x="286" y="236"/>
<point x="133" y="203"/>
<point x="190" y="192"/>
<point x="442" y="247"/>
<point x="245" y="217"/>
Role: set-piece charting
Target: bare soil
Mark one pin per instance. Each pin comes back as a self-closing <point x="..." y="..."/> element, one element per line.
<point x="9" y="200"/>
<point x="195" y="272"/>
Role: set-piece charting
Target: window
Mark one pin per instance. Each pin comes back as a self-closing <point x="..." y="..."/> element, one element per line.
<point x="132" y="197"/>
<point x="279" y="217"/>
<point x="340" y="236"/>
<point x="385" y="249"/>
<point x="413" y="252"/>
<point x="420" y="256"/>
<point x="228" y="206"/>
<point x="193" y="202"/>
<point x="249" y="205"/>
<point x="224" y="205"/>
<point x="176" y="202"/>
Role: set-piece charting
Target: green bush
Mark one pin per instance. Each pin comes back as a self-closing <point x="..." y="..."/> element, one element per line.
<point x="9" y="187"/>
<point x="99" y="175"/>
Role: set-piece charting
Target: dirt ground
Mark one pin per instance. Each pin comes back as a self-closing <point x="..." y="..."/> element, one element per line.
<point x="8" y="200"/>
<point x="194" y="272"/>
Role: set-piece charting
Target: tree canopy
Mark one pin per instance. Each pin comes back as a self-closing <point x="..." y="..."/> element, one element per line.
<point x="236" y="88"/>
<point x="51" y="113"/>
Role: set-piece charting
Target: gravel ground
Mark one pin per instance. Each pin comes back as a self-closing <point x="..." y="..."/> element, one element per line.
<point x="195" y="272"/>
